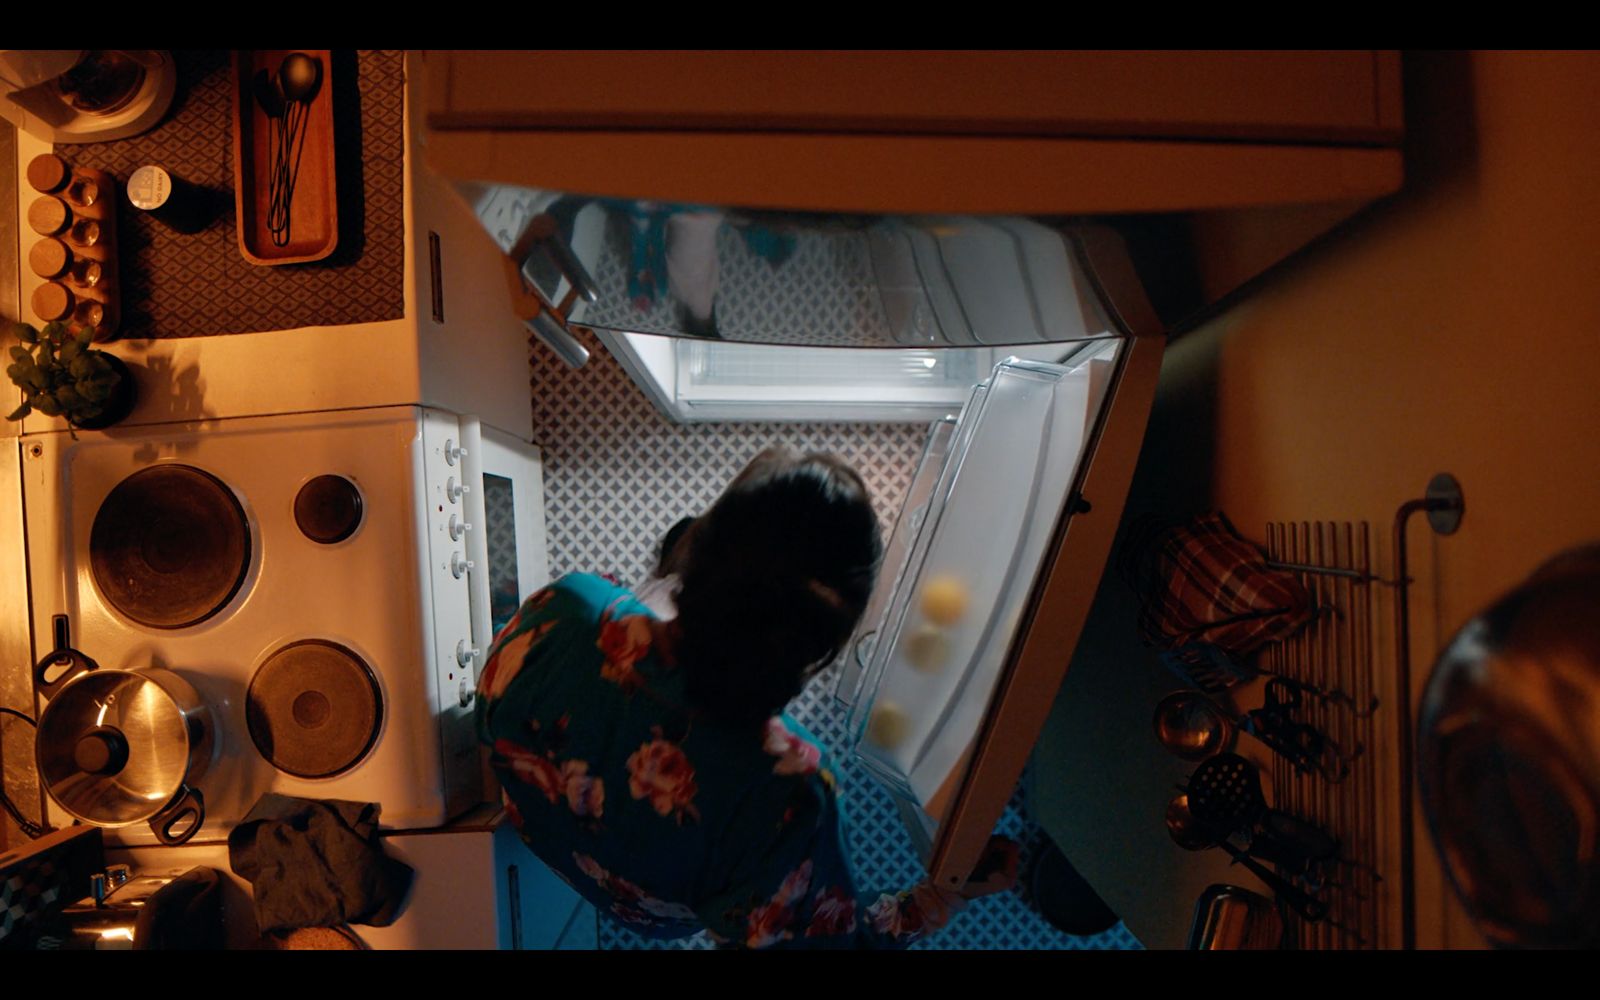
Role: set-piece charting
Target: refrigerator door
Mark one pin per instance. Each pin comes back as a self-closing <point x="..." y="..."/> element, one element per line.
<point x="974" y="549"/>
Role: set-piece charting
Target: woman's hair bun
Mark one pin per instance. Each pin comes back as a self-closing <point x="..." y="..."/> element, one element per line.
<point x="775" y="578"/>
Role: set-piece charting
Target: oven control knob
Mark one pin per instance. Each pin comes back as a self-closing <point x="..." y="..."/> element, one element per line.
<point x="458" y="528"/>
<point x="454" y="490"/>
<point x="452" y="452"/>
<point x="465" y="654"/>
<point x="459" y="565"/>
<point x="465" y="694"/>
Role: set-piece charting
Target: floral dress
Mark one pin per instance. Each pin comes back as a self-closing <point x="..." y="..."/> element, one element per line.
<point x="670" y="823"/>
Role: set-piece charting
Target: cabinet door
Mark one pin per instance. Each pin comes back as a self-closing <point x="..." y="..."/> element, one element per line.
<point x="1029" y="133"/>
<point x="1280" y="95"/>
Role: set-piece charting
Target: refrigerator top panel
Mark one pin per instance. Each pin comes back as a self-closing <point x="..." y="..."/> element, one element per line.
<point x="800" y="278"/>
<point x="972" y="551"/>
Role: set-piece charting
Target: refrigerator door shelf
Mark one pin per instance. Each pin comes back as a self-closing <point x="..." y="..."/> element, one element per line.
<point x="954" y="609"/>
<point x="896" y="557"/>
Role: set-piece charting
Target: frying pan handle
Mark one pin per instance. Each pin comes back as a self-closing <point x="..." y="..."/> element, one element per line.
<point x="64" y="661"/>
<point x="190" y="804"/>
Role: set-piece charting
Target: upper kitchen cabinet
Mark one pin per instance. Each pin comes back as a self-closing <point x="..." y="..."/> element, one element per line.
<point x="1068" y="132"/>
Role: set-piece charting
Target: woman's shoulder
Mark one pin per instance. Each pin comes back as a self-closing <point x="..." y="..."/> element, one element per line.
<point x="598" y="595"/>
<point x="577" y="603"/>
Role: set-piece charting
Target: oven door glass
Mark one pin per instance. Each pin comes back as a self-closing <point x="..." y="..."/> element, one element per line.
<point x="507" y="542"/>
<point x="500" y="511"/>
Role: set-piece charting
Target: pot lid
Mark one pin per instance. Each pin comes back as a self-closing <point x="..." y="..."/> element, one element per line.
<point x="113" y="747"/>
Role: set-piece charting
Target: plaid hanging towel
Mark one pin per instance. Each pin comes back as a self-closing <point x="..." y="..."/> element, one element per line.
<point x="1199" y="582"/>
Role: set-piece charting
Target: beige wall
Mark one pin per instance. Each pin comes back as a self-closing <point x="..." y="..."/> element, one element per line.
<point x="1455" y="328"/>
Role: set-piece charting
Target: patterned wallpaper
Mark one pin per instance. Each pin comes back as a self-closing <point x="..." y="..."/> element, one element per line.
<point x="617" y="475"/>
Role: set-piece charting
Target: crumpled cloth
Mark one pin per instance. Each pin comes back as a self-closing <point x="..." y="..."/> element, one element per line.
<point x="317" y="863"/>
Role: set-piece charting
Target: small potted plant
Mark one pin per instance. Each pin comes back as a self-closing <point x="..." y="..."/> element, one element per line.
<point x="60" y="375"/>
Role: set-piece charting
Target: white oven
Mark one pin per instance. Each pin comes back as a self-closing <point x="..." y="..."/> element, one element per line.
<point x="326" y="582"/>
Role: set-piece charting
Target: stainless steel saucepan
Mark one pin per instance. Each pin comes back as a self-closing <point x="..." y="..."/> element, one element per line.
<point x="119" y="747"/>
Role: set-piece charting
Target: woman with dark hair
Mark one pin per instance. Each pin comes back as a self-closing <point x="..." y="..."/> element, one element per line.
<point x="644" y="757"/>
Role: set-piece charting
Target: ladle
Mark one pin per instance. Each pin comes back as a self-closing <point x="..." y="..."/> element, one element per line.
<point x="1192" y="835"/>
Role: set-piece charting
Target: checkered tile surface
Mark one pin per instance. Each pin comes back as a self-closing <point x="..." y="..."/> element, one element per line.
<point x="29" y="891"/>
<point x="617" y="475"/>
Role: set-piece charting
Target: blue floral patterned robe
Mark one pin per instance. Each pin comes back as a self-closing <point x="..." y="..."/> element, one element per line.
<point x="670" y="823"/>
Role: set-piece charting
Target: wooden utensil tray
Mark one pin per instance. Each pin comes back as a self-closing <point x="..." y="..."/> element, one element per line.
<point x="313" y="231"/>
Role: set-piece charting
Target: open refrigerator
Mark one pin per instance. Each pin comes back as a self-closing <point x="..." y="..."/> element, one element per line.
<point x="1028" y="346"/>
<point x="986" y="579"/>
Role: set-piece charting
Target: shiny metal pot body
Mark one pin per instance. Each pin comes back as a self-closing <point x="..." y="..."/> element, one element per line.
<point x="118" y="747"/>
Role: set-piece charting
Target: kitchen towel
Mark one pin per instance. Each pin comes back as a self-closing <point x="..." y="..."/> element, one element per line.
<point x="317" y="863"/>
<point x="1199" y="582"/>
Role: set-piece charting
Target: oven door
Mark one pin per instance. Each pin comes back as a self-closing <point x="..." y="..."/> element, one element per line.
<point x="506" y="541"/>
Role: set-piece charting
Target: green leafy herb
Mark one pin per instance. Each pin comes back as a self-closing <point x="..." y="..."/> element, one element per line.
<point x="59" y="373"/>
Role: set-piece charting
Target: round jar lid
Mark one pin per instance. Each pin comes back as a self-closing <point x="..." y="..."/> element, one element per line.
<point x="149" y="187"/>
<point x="48" y="215"/>
<point x="49" y="257"/>
<point x="52" y="301"/>
<point x="47" y="172"/>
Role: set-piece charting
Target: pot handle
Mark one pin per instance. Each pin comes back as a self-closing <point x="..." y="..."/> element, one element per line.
<point x="190" y="803"/>
<point x="68" y="661"/>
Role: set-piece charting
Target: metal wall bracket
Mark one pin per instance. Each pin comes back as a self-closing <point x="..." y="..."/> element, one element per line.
<point x="1445" y="503"/>
<point x="1444" y="506"/>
